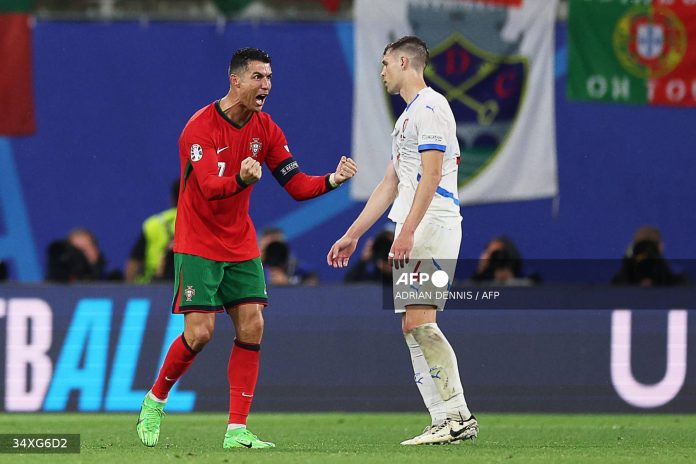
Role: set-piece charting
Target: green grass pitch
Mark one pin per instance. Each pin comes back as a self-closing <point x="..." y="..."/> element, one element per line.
<point x="368" y="438"/>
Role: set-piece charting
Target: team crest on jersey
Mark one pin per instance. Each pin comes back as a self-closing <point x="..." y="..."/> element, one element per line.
<point x="482" y="75"/>
<point x="255" y="147"/>
<point x="196" y="152"/>
<point x="402" y="136"/>
<point x="190" y="292"/>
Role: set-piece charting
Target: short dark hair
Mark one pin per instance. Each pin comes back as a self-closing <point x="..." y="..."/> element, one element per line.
<point x="413" y="46"/>
<point x="243" y="56"/>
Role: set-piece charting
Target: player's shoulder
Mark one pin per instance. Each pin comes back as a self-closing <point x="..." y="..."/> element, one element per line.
<point x="433" y="105"/>
<point x="433" y="97"/>
<point x="265" y="119"/>
<point x="268" y="125"/>
<point x="205" y="113"/>
<point x="201" y="120"/>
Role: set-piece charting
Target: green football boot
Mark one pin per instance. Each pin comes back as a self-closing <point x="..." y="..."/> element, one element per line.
<point x="243" y="438"/>
<point x="148" y="425"/>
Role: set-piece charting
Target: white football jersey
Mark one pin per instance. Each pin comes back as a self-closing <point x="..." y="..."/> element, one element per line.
<point x="427" y="123"/>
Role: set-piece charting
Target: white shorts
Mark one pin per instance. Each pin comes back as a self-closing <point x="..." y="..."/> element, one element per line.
<point x="435" y="252"/>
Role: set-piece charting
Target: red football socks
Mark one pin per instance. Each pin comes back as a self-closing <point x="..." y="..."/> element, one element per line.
<point x="242" y="372"/>
<point x="178" y="359"/>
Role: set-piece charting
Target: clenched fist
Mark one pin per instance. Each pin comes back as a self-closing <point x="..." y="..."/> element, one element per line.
<point x="250" y="171"/>
<point x="345" y="170"/>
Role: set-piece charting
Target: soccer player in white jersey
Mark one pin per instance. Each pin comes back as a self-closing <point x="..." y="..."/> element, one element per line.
<point x="421" y="182"/>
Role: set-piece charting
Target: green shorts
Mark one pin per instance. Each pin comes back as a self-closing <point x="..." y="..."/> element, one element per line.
<point x="202" y="285"/>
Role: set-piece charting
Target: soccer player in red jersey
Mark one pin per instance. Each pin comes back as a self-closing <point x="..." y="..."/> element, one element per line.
<point x="216" y="257"/>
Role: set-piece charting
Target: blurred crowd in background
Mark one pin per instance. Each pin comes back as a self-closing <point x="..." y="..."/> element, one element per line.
<point x="78" y="258"/>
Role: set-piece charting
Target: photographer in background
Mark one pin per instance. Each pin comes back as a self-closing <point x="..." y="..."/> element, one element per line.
<point x="500" y="263"/>
<point x="644" y="263"/>
<point x="281" y="269"/>
<point x="78" y="258"/>
<point x="373" y="265"/>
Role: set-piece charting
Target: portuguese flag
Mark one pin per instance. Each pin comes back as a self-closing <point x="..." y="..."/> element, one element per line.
<point x="16" y="94"/>
<point x="632" y="52"/>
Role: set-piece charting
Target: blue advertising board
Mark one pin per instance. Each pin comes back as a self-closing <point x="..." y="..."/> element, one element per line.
<point x="98" y="348"/>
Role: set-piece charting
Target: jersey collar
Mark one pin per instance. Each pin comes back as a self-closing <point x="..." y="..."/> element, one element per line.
<point x="416" y="97"/>
<point x="226" y="118"/>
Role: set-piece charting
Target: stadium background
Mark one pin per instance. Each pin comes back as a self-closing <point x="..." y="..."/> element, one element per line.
<point x="111" y="98"/>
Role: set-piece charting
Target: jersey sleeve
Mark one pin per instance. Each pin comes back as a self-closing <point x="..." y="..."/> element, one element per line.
<point x="203" y="160"/>
<point x="286" y="169"/>
<point x="431" y="126"/>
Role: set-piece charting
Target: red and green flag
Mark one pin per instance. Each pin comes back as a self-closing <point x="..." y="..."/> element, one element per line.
<point x="641" y="52"/>
<point x="16" y="92"/>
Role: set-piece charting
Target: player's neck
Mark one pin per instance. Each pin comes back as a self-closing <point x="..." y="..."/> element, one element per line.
<point x="410" y="89"/>
<point x="234" y="110"/>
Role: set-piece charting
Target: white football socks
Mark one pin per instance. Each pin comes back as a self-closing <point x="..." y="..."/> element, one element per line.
<point x="424" y="382"/>
<point x="439" y="355"/>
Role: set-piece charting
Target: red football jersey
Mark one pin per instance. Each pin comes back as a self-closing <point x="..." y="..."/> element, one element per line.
<point x="212" y="219"/>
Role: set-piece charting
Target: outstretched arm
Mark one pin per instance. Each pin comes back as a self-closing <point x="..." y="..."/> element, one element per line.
<point x="382" y="196"/>
<point x="302" y="186"/>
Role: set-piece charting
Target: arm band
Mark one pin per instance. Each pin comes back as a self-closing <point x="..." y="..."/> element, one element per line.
<point x="286" y="170"/>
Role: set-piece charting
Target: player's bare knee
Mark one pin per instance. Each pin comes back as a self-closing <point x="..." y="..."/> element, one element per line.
<point x="416" y="316"/>
<point x="250" y="330"/>
<point x="409" y="322"/>
<point x="200" y="336"/>
<point x="415" y="325"/>
<point x="408" y="325"/>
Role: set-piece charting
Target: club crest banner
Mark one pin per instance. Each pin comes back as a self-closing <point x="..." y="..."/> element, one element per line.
<point x="493" y="60"/>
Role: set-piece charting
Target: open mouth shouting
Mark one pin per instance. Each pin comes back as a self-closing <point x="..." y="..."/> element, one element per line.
<point x="260" y="99"/>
